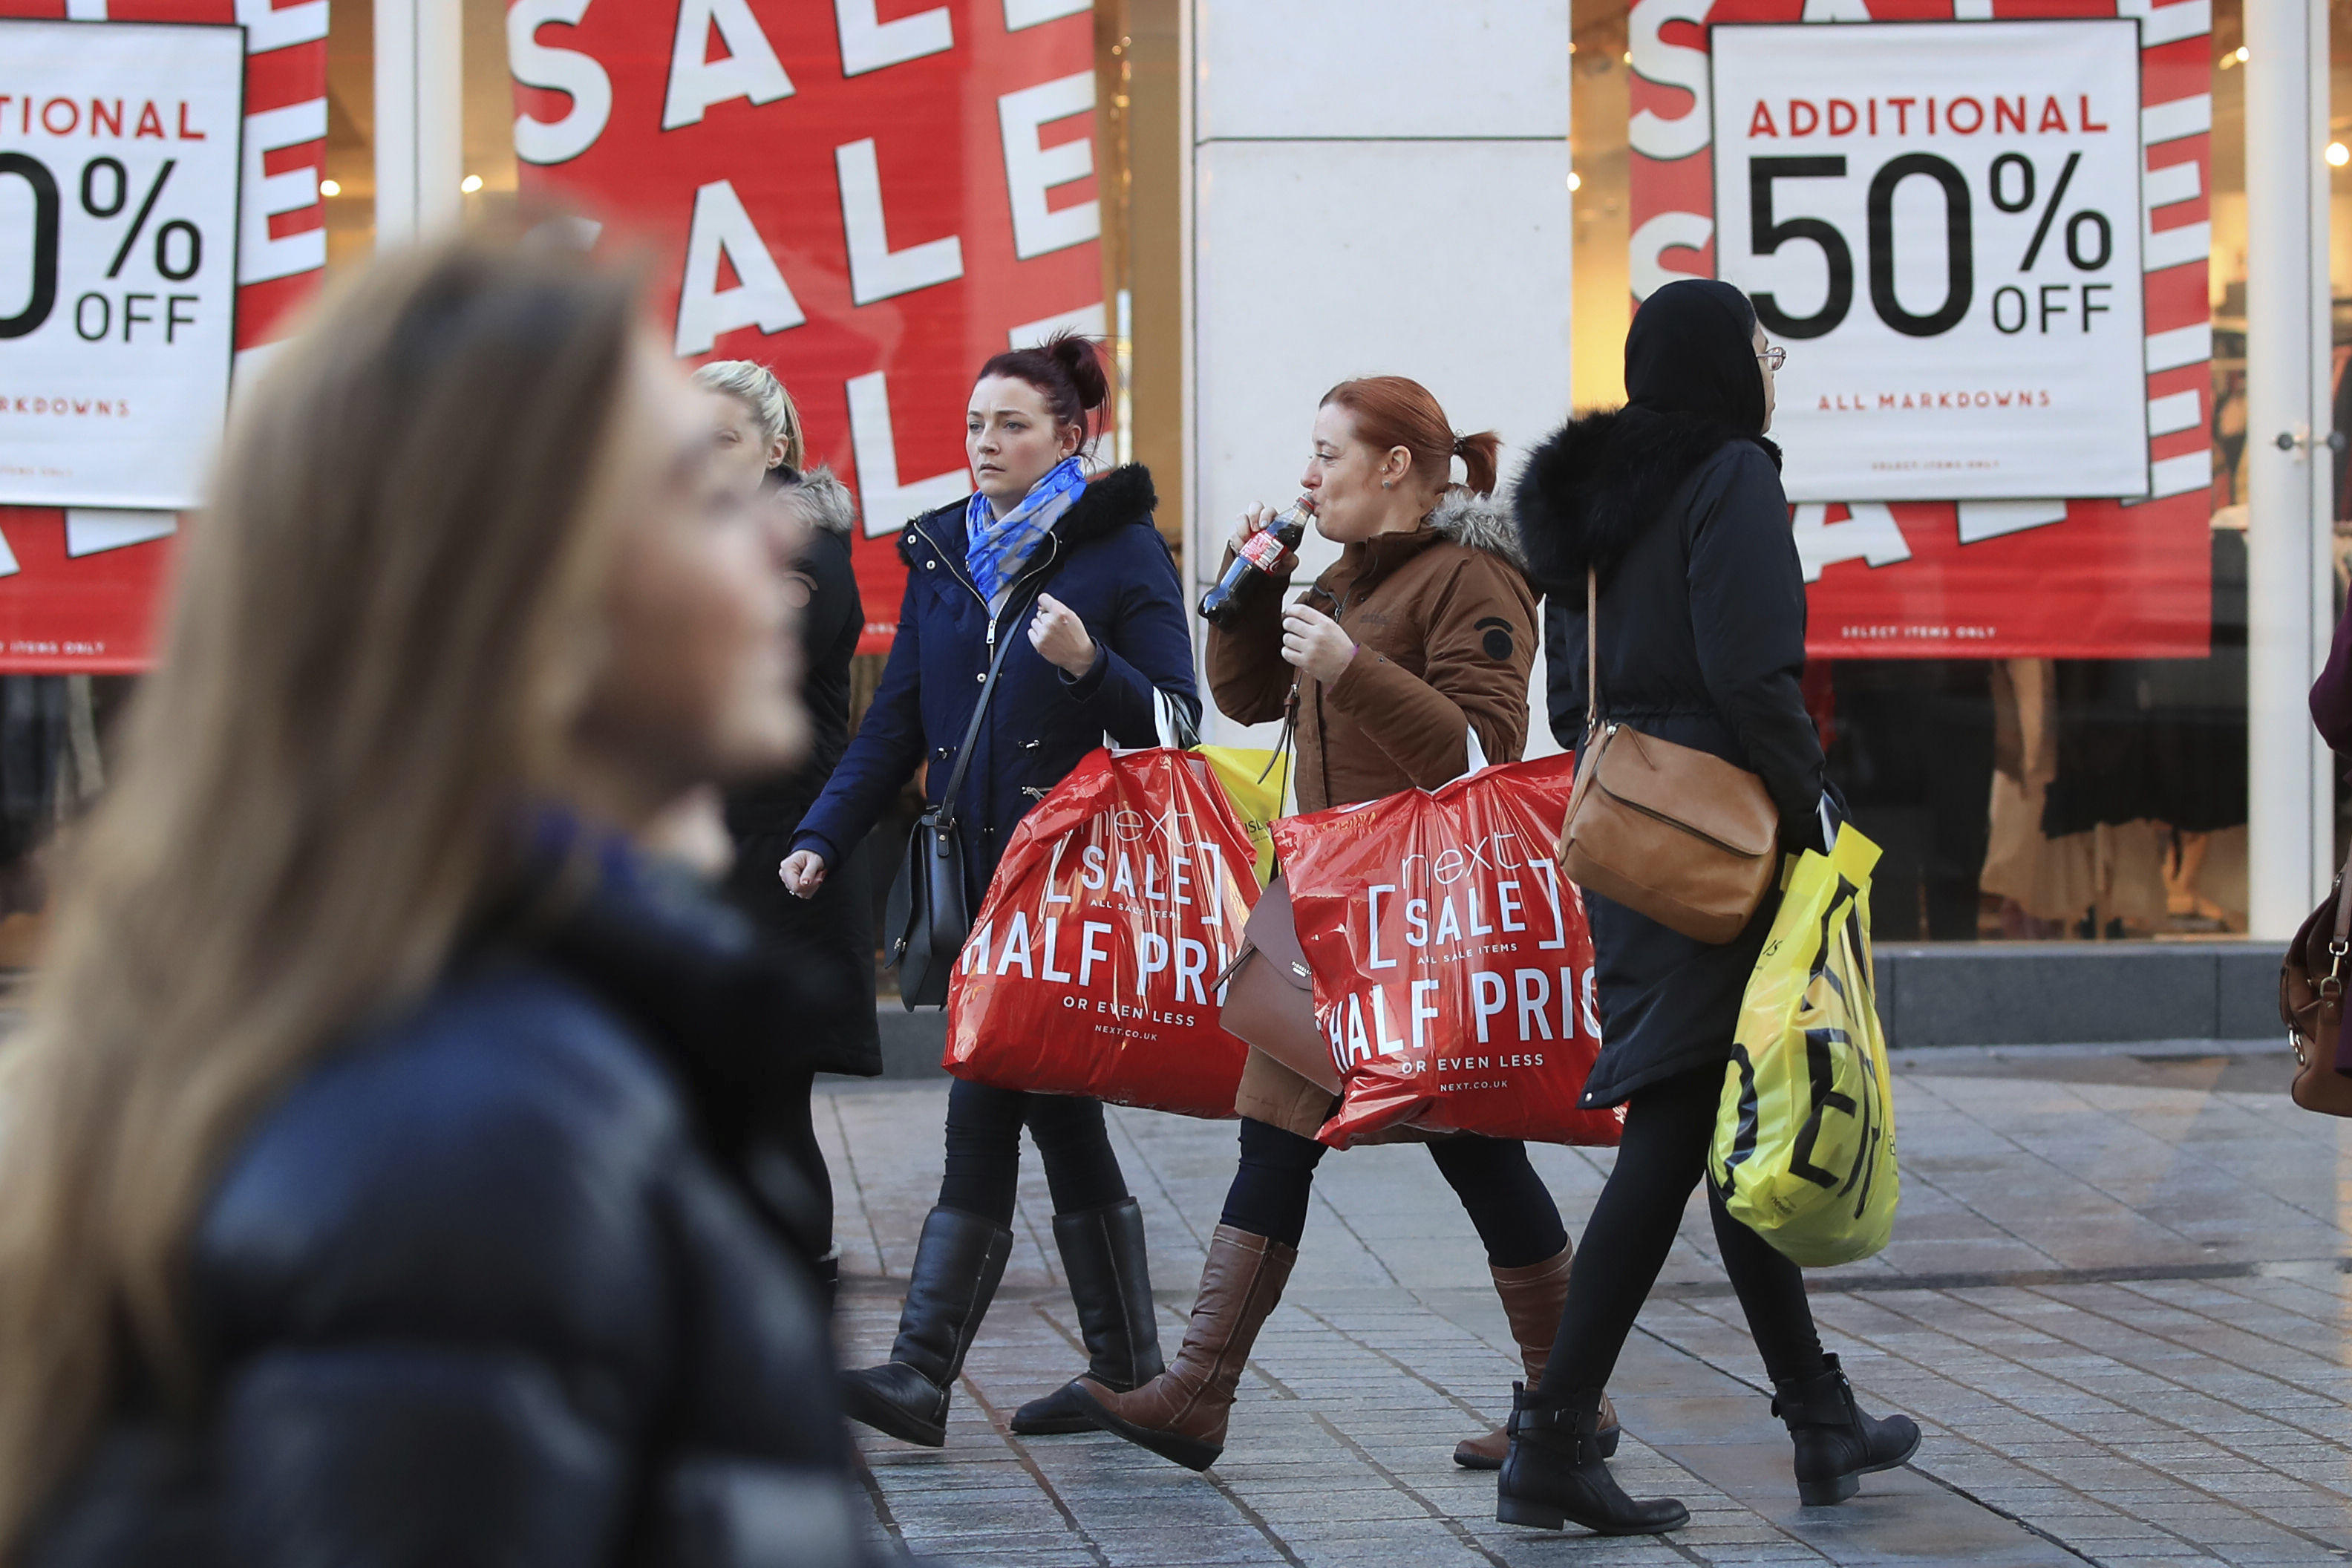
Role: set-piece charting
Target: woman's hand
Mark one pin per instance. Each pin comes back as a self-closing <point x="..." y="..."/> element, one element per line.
<point x="802" y="873"/>
<point x="1060" y="637"/>
<point x="1312" y="641"/>
<point x="1253" y="522"/>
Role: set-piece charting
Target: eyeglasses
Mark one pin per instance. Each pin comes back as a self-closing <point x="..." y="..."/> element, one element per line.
<point x="1774" y="358"/>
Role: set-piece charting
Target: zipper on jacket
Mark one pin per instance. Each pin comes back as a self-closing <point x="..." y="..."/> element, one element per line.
<point x="1053" y="549"/>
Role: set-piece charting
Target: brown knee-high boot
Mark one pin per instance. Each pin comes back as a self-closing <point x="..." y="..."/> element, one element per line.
<point x="1532" y="1299"/>
<point x="1181" y="1415"/>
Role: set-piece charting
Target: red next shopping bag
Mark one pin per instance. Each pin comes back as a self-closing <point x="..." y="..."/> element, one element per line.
<point x="1092" y="965"/>
<point x="1452" y="965"/>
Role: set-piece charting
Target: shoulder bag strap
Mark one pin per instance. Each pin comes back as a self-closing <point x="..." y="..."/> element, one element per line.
<point x="1591" y="650"/>
<point x="2339" y="941"/>
<point x="971" y="733"/>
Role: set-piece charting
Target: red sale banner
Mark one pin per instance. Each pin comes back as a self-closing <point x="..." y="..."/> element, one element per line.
<point x="79" y="587"/>
<point x="1941" y="261"/>
<point x="871" y="204"/>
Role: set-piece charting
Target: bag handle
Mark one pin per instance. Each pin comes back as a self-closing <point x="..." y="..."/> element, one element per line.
<point x="1474" y="753"/>
<point x="1591" y="650"/>
<point x="971" y="734"/>
<point x="1176" y="728"/>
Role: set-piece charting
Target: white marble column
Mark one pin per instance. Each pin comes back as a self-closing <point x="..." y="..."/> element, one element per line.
<point x="1376" y="188"/>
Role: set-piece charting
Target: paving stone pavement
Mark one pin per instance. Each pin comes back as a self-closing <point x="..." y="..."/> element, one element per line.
<point x="2116" y="1302"/>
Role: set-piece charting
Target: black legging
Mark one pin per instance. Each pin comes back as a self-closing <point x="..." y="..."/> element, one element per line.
<point x="983" y="1164"/>
<point x="1503" y="1196"/>
<point x="794" y="1126"/>
<point x="1663" y="1155"/>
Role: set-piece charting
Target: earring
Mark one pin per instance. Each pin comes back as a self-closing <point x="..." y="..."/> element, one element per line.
<point x="1388" y="484"/>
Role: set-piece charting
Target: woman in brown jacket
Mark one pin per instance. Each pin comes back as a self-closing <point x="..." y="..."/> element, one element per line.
<point x="1422" y="632"/>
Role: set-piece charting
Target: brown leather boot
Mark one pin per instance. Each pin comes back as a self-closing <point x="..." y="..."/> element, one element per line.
<point x="1532" y="1299"/>
<point x="1181" y="1415"/>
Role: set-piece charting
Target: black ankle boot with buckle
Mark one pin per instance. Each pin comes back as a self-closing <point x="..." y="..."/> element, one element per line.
<point x="1555" y="1474"/>
<point x="1837" y="1445"/>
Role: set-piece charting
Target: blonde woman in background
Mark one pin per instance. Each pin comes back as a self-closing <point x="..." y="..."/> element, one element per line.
<point x="375" y="1183"/>
<point x="828" y="937"/>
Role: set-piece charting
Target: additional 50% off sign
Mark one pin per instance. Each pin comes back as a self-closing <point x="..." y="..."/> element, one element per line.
<point x="118" y="168"/>
<point x="1942" y="221"/>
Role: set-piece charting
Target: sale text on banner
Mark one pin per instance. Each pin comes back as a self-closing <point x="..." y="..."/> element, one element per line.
<point x="1984" y="240"/>
<point x="118" y="287"/>
<point x="160" y="228"/>
<point x="1940" y="219"/>
<point x="870" y="203"/>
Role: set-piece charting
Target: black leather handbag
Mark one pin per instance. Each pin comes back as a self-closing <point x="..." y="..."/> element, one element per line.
<point x="928" y="916"/>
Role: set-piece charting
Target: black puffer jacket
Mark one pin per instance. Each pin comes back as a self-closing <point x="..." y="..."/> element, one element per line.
<point x="507" y="1282"/>
<point x="1702" y="643"/>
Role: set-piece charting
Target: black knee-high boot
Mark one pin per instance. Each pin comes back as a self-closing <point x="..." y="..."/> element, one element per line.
<point x="1111" y="1284"/>
<point x="957" y="1265"/>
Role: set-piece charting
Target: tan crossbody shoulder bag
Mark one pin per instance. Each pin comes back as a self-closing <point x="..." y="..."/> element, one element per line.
<point x="1668" y="831"/>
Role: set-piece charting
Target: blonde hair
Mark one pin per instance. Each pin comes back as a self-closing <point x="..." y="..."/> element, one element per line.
<point x="755" y="386"/>
<point x="384" y="630"/>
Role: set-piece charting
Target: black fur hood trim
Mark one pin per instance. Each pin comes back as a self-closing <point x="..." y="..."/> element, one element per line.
<point x="1111" y="500"/>
<point x="1588" y="492"/>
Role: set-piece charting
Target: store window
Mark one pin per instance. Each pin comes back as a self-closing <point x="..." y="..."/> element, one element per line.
<point x="871" y="201"/>
<point x="2067" y="783"/>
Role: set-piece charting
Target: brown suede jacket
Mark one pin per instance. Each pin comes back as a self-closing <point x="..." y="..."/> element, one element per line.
<point x="1445" y="630"/>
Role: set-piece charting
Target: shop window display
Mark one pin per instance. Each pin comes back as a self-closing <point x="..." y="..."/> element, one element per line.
<point x="2017" y="797"/>
<point x="864" y="362"/>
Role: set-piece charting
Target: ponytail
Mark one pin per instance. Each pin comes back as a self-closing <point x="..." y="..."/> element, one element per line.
<point x="1477" y="454"/>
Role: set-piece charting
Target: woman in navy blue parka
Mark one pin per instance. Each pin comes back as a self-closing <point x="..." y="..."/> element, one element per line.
<point x="1076" y="570"/>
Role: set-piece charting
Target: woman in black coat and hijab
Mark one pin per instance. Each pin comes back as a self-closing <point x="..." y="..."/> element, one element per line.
<point x="1675" y="499"/>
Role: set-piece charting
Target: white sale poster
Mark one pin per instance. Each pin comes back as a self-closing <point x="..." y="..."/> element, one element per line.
<point x="1941" y="222"/>
<point x="120" y="146"/>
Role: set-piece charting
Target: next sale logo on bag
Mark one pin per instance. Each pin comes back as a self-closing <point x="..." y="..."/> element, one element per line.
<point x="1941" y="220"/>
<point x="1172" y="899"/>
<point x="1485" y="904"/>
<point x="1452" y="963"/>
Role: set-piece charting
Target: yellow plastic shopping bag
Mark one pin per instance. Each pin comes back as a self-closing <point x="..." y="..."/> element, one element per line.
<point x="1804" y="1142"/>
<point x="1254" y="779"/>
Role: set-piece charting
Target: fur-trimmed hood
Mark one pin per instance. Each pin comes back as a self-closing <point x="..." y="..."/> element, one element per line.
<point x="1111" y="500"/>
<point x="1477" y="523"/>
<point x="825" y="502"/>
<point x="1589" y="492"/>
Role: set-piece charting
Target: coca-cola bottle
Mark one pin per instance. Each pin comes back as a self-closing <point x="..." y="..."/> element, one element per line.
<point x="1255" y="558"/>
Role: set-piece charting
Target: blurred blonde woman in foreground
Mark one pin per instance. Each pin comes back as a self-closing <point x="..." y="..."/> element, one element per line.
<point x="373" y="1186"/>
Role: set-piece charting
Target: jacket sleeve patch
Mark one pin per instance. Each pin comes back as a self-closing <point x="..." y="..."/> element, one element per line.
<point x="1497" y="640"/>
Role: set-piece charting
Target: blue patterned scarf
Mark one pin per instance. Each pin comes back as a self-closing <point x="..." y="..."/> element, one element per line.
<point x="995" y="548"/>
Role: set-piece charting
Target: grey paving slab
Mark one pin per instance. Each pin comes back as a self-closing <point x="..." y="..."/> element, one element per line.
<point x="2116" y="1300"/>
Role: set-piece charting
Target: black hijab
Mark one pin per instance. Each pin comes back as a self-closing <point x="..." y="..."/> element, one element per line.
<point x="1692" y="350"/>
<point x="1693" y="388"/>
